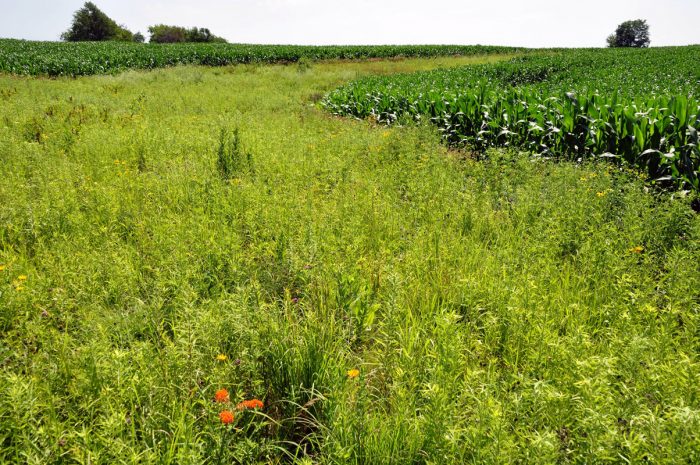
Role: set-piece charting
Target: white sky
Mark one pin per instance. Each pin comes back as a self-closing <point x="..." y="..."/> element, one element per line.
<point x="529" y="23"/>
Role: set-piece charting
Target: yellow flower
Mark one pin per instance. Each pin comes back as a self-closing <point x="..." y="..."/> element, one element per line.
<point x="19" y="288"/>
<point x="221" y="357"/>
<point x="2" y="267"/>
<point x="22" y="277"/>
<point x="638" y="249"/>
<point x="354" y="373"/>
<point x="601" y="194"/>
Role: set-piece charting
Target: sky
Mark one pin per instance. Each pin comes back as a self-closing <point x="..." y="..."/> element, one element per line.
<point x="526" y="23"/>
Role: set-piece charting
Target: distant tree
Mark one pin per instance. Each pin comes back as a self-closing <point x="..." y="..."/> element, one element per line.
<point x="138" y="37"/>
<point x="90" y="23"/>
<point x="630" y="34"/>
<point x="202" y="35"/>
<point x="164" y="34"/>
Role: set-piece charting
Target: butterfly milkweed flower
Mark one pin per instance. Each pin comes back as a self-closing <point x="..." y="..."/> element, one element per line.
<point x="250" y="404"/>
<point x="221" y="395"/>
<point x="226" y="417"/>
<point x="638" y="249"/>
<point x="354" y="373"/>
<point x="221" y="357"/>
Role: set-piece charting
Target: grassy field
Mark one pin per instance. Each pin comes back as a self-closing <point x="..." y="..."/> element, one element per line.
<point x="167" y="234"/>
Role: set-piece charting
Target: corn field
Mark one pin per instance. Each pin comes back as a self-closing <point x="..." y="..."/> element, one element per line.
<point x="88" y="58"/>
<point x="639" y="107"/>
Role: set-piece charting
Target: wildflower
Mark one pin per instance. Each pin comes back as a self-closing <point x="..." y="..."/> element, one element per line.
<point x="295" y="300"/>
<point x="2" y="267"/>
<point x="222" y="357"/>
<point x="354" y="373"/>
<point x="19" y="288"/>
<point x="250" y="404"/>
<point x="601" y="194"/>
<point x="226" y="417"/>
<point x="22" y="277"/>
<point x="221" y="395"/>
<point x="638" y="249"/>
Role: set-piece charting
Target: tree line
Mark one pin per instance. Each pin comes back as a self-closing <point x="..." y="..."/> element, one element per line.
<point x="92" y="24"/>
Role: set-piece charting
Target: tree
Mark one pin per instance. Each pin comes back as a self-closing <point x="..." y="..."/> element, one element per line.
<point x="138" y="37"/>
<point x="630" y="34"/>
<point x="91" y="23"/>
<point x="163" y="34"/>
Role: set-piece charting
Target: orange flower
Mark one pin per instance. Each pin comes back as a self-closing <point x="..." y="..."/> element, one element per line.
<point x="221" y="395"/>
<point x="248" y="404"/>
<point x="226" y="417"/>
<point x="354" y="373"/>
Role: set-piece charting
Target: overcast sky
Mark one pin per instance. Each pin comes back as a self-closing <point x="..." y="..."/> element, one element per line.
<point x="529" y="23"/>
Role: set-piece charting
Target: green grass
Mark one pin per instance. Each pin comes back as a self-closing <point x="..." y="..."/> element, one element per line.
<point x="495" y="310"/>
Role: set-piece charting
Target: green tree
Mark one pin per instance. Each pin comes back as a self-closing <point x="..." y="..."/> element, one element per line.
<point x="91" y="23"/>
<point x="630" y="34"/>
<point x="164" y="34"/>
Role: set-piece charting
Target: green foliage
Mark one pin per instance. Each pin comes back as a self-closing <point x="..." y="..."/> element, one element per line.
<point x="619" y="104"/>
<point x="139" y="38"/>
<point x="630" y="34"/>
<point x="92" y="24"/>
<point x="162" y="34"/>
<point x="202" y="35"/>
<point x="504" y="311"/>
<point x="76" y="59"/>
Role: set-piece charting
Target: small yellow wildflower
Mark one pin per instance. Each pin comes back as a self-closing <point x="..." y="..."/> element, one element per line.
<point x="601" y="194"/>
<point x="354" y="373"/>
<point x="638" y="249"/>
<point x="22" y="277"/>
<point x="2" y="267"/>
<point x="19" y="287"/>
<point x="221" y="357"/>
